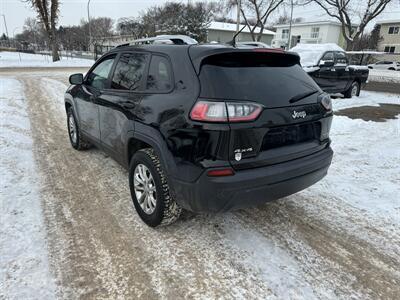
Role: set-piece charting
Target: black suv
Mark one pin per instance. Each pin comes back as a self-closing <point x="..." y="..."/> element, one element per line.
<point x="203" y="127"/>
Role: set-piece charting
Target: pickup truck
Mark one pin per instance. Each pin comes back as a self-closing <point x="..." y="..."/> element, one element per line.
<point x="328" y="65"/>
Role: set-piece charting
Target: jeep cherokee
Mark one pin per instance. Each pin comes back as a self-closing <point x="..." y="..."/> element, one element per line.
<point x="206" y="128"/>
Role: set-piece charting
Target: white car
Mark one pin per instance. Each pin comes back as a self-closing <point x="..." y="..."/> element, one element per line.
<point x="252" y="44"/>
<point x="385" y="65"/>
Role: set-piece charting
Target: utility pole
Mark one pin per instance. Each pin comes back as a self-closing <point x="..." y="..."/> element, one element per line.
<point x="290" y="26"/>
<point x="5" y="25"/>
<point x="14" y="36"/>
<point x="90" y="33"/>
<point x="239" y="6"/>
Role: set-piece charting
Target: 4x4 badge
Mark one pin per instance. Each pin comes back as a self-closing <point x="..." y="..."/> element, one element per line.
<point x="299" y="114"/>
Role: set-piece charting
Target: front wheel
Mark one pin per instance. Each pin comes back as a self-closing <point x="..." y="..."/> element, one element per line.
<point x="78" y="142"/>
<point x="150" y="191"/>
<point x="353" y="91"/>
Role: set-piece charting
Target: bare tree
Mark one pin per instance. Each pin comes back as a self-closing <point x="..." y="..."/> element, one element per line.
<point x="256" y="14"/>
<point x="47" y="11"/>
<point x="346" y="10"/>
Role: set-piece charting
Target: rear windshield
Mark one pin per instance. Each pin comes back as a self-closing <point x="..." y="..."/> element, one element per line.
<point x="254" y="76"/>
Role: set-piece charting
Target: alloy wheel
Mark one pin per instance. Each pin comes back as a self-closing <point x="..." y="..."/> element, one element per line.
<point x="72" y="129"/>
<point x="145" y="188"/>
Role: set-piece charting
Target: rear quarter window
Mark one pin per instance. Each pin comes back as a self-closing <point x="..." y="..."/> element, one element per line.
<point x="159" y="78"/>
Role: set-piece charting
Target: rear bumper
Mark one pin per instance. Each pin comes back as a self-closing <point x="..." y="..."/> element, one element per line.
<point x="253" y="186"/>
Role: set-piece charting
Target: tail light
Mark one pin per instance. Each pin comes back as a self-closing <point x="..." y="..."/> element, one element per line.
<point x="210" y="111"/>
<point x="326" y="101"/>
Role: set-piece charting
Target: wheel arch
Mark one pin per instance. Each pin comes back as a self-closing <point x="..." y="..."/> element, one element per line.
<point x="139" y="140"/>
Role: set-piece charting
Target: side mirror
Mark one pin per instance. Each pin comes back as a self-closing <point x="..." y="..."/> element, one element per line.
<point x="76" y="78"/>
<point x="326" y="63"/>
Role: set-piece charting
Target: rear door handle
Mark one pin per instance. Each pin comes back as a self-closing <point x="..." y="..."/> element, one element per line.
<point x="128" y="105"/>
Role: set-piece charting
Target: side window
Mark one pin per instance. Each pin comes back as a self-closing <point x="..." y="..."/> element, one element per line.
<point x="328" y="56"/>
<point x="129" y="72"/>
<point x="159" y="78"/>
<point x="98" y="77"/>
<point x="341" y="58"/>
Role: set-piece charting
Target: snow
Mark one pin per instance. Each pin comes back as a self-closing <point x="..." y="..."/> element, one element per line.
<point x="384" y="76"/>
<point x="21" y="60"/>
<point x="24" y="263"/>
<point x="310" y="54"/>
<point x="365" y="172"/>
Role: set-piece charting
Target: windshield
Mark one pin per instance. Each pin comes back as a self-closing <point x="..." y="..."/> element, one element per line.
<point x="309" y="58"/>
<point x="267" y="78"/>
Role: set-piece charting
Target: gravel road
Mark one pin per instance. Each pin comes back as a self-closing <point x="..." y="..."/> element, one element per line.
<point x="310" y="245"/>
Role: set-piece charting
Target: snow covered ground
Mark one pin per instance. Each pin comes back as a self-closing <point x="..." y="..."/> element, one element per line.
<point x="366" y="168"/>
<point x="15" y="60"/>
<point x="384" y="76"/>
<point x="338" y="239"/>
<point x="24" y="268"/>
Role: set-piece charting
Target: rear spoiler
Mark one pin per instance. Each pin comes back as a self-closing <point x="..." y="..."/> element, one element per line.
<point x="197" y="54"/>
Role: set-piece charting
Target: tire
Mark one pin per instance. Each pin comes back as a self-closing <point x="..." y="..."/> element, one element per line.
<point x="391" y="69"/>
<point x="165" y="210"/>
<point x="354" y="90"/>
<point x="77" y="141"/>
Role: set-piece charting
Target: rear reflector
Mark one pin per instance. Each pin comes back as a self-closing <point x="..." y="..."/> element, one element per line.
<point x="220" y="172"/>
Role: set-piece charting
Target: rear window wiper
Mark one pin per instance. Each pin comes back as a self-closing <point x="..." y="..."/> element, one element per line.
<point x="302" y="96"/>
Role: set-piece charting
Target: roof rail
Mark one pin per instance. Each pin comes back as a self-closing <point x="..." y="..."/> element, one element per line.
<point x="163" y="39"/>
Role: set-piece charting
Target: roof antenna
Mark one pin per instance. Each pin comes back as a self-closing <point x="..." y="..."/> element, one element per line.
<point x="233" y="42"/>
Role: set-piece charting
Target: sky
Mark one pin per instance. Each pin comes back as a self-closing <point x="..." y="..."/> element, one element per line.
<point x="72" y="11"/>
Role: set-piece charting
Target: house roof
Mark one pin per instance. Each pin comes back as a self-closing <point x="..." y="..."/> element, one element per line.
<point x="309" y="24"/>
<point x="388" y="21"/>
<point x="222" y="26"/>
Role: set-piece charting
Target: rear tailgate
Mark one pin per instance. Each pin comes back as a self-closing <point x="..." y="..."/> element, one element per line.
<point x="289" y="125"/>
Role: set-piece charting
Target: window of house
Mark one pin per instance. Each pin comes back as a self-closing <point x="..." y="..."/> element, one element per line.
<point x="129" y="71"/>
<point x="390" y="49"/>
<point x="159" y="78"/>
<point x="285" y="33"/>
<point x="394" y="30"/>
<point x="314" y="32"/>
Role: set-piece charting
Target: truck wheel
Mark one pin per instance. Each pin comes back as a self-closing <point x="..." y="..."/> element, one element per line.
<point x="354" y="90"/>
<point x="75" y="137"/>
<point x="150" y="191"/>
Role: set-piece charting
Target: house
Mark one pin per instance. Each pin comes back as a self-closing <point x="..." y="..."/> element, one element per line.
<point x="390" y="33"/>
<point x="309" y="33"/>
<point x="223" y="32"/>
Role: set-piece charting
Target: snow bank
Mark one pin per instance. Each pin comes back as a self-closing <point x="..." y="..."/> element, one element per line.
<point x="20" y="60"/>
<point x="384" y="76"/>
<point x="24" y="266"/>
<point x="310" y="54"/>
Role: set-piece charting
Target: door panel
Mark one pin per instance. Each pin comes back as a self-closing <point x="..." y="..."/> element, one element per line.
<point x="326" y="76"/>
<point x="87" y="109"/>
<point x="118" y="104"/>
<point x="342" y="71"/>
